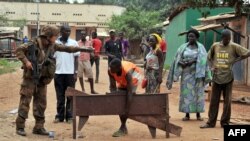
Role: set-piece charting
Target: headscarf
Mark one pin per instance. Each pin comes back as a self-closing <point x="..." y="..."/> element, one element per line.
<point x="159" y="40"/>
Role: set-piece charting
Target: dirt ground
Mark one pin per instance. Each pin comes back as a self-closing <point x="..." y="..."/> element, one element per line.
<point x="100" y="128"/>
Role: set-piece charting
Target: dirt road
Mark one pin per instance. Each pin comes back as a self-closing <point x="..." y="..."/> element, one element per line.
<point x="98" y="128"/>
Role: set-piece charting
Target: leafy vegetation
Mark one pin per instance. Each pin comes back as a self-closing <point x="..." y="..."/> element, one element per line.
<point x="8" y="66"/>
<point x="4" y="21"/>
<point x="134" y="21"/>
<point x="141" y="15"/>
<point x="239" y="5"/>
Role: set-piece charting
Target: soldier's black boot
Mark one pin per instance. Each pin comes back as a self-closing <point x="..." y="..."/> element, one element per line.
<point x="40" y="131"/>
<point x="21" y="132"/>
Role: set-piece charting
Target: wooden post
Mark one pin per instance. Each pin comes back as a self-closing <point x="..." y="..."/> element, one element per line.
<point x="74" y="116"/>
<point x="205" y="37"/>
<point x="215" y="37"/>
<point x="167" y="117"/>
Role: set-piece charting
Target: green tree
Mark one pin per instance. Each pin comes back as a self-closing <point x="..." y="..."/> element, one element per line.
<point x="237" y="4"/>
<point x="19" y="23"/>
<point x="134" y="21"/>
<point x="163" y="6"/>
<point x="3" y="20"/>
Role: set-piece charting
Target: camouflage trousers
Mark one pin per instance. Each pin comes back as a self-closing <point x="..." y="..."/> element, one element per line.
<point x="27" y="91"/>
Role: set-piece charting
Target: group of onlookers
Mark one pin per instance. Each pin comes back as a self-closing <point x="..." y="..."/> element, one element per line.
<point x="192" y="65"/>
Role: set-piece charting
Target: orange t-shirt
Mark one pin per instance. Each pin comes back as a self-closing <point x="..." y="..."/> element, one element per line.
<point x="126" y="67"/>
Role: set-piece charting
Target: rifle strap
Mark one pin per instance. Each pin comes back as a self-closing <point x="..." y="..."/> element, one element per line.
<point x="41" y="46"/>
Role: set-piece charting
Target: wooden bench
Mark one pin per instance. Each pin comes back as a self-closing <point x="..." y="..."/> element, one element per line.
<point x="150" y="109"/>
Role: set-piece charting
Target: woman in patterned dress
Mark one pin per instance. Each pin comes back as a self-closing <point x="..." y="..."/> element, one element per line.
<point x="154" y="65"/>
<point x="191" y="64"/>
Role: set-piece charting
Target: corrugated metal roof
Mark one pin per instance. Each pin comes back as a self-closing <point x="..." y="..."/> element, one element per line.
<point x="207" y="27"/>
<point x="9" y="29"/>
<point x="217" y="17"/>
<point x="165" y="23"/>
<point x="203" y="28"/>
<point x="176" y="11"/>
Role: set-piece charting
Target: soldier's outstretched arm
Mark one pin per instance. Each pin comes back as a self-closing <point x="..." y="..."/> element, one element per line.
<point x="71" y="49"/>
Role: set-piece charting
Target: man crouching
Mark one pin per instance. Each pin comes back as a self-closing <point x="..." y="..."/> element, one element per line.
<point x="127" y="76"/>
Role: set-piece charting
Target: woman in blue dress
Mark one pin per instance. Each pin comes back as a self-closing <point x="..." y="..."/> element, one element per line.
<point x="190" y="64"/>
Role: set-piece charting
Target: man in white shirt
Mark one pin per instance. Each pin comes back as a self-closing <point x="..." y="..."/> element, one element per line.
<point x="65" y="75"/>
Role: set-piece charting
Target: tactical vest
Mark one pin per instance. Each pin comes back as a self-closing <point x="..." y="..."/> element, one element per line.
<point x="48" y="65"/>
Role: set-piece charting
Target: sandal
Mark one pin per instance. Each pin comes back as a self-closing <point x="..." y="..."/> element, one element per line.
<point x="206" y="126"/>
<point x="185" y="118"/>
<point x="119" y="133"/>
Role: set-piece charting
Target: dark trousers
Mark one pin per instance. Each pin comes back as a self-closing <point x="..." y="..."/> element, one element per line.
<point x="226" y="90"/>
<point x="62" y="81"/>
<point x="96" y="60"/>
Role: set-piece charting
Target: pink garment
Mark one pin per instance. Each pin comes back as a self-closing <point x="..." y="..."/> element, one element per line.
<point x="84" y="55"/>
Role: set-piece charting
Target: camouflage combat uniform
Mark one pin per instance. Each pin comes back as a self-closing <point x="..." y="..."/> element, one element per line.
<point x="28" y="87"/>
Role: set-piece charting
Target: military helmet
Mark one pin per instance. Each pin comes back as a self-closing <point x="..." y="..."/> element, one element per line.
<point x="49" y="31"/>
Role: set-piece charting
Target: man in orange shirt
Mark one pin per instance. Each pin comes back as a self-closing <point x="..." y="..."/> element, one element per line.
<point x="127" y="76"/>
<point x="97" y="45"/>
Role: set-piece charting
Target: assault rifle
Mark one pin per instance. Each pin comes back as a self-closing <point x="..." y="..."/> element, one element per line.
<point x="32" y="57"/>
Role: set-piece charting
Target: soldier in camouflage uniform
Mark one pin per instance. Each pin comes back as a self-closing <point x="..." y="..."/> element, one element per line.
<point x="45" y="48"/>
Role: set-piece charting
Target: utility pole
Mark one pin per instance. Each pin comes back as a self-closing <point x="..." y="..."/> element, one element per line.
<point x="38" y="14"/>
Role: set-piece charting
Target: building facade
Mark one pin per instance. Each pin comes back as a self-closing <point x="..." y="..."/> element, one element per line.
<point x="210" y="28"/>
<point x="78" y="16"/>
<point x="239" y="27"/>
<point x="183" y="21"/>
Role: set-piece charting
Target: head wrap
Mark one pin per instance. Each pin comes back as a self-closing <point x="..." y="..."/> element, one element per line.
<point x="159" y="40"/>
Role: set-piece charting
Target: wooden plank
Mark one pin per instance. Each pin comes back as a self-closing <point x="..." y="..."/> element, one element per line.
<point x="74" y="117"/>
<point x="73" y="92"/>
<point x="82" y="122"/>
<point x="167" y="117"/>
<point x="152" y="131"/>
<point x="115" y="104"/>
<point x="158" y="123"/>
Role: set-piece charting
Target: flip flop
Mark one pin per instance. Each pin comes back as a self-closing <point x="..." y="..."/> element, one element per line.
<point x="119" y="133"/>
<point x="206" y="126"/>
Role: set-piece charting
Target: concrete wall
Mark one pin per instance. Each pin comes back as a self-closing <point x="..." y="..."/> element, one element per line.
<point x="60" y="12"/>
<point x="77" y="16"/>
